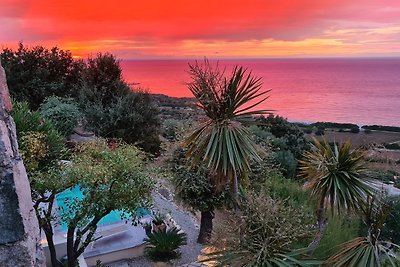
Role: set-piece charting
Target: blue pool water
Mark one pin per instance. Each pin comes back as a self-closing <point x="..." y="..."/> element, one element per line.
<point x="75" y="193"/>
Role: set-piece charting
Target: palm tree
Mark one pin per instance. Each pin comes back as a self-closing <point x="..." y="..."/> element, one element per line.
<point x="369" y="250"/>
<point x="333" y="177"/>
<point x="222" y="141"/>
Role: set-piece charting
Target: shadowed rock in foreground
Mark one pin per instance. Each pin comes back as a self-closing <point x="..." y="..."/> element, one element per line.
<point x="19" y="232"/>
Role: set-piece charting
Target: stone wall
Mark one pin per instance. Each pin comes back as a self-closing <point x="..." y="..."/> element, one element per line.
<point x="19" y="232"/>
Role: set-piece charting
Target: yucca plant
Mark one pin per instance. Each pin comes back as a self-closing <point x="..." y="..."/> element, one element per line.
<point x="222" y="141"/>
<point x="333" y="176"/>
<point x="263" y="235"/>
<point x="163" y="245"/>
<point x="370" y="250"/>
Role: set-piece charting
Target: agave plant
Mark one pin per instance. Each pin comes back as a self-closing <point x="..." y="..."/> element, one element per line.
<point x="370" y="250"/>
<point x="163" y="245"/>
<point x="333" y="175"/>
<point x="222" y="140"/>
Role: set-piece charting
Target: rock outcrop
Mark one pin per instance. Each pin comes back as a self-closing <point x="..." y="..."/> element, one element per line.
<point x="19" y="232"/>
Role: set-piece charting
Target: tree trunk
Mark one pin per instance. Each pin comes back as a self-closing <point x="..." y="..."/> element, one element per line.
<point x="322" y="222"/>
<point x="70" y="247"/>
<point x="206" y="226"/>
<point x="48" y="231"/>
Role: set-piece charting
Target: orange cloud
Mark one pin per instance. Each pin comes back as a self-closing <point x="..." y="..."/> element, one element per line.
<point x="187" y="28"/>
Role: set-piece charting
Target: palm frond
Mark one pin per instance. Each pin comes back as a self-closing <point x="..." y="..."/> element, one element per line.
<point x="334" y="175"/>
<point x="163" y="245"/>
<point x="222" y="141"/>
<point x="239" y="258"/>
<point x="361" y="251"/>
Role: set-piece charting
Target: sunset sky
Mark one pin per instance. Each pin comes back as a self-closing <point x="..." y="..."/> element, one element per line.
<point x="145" y="29"/>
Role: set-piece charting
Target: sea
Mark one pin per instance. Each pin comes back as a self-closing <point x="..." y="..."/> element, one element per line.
<point x="364" y="91"/>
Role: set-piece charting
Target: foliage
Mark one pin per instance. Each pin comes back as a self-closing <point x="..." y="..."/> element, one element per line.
<point x="287" y="141"/>
<point x="369" y="250"/>
<point x="391" y="229"/>
<point x="169" y="129"/>
<point x="103" y="75"/>
<point x="40" y="143"/>
<point x="163" y="245"/>
<point x="254" y="239"/>
<point x="131" y="117"/>
<point x="333" y="175"/>
<point x="36" y="73"/>
<point x="287" y="162"/>
<point x="158" y="218"/>
<point x="193" y="185"/>
<point x="287" y="190"/>
<point x="63" y="113"/>
<point x="381" y="128"/>
<point x="222" y="141"/>
<point x="42" y="148"/>
<point x="109" y="179"/>
<point x="288" y="135"/>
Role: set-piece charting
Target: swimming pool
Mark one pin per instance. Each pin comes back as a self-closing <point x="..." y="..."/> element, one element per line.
<point x="76" y="193"/>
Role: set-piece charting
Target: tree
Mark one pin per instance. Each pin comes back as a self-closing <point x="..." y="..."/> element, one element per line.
<point x="63" y="113"/>
<point x="333" y="175"/>
<point x="194" y="188"/>
<point x="109" y="179"/>
<point x="222" y="141"/>
<point x="113" y="110"/>
<point x="36" y="73"/>
<point x="131" y="117"/>
<point x="103" y="75"/>
<point x="41" y="148"/>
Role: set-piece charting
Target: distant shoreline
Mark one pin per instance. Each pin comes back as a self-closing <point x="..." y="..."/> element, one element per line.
<point x="165" y="100"/>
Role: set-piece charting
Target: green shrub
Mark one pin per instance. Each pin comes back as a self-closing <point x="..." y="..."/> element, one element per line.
<point x="163" y="245"/>
<point x="391" y="230"/>
<point x="264" y="234"/>
<point x="64" y="113"/>
<point x="34" y="134"/>
<point x="169" y="129"/>
<point x="132" y="117"/>
<point x="287" y="162"/>
<point x="279" y="187"/>
<point x="194" y="187"/>
<point x="367" y="131"/>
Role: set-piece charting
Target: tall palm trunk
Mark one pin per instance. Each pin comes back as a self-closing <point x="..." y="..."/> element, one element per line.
<point x="322" y="222"/>
<point x="206" y="226"/>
